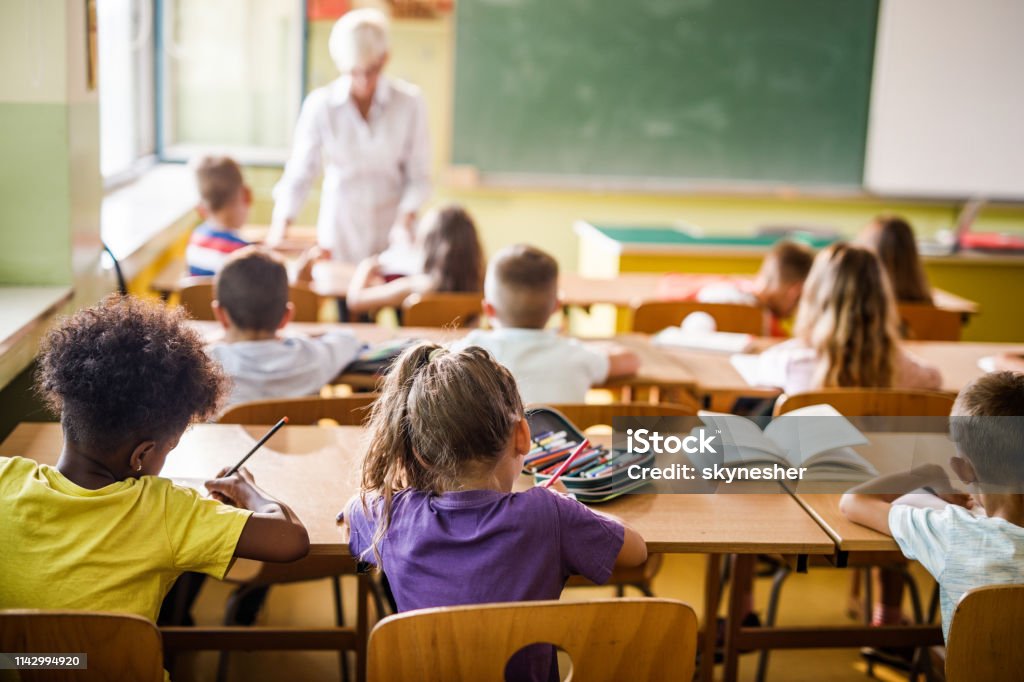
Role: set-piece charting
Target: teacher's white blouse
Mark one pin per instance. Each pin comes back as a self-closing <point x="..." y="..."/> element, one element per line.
<point x="373" y="169"/>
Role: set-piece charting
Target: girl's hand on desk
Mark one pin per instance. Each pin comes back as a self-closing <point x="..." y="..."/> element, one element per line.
<point x="238" y="490"/>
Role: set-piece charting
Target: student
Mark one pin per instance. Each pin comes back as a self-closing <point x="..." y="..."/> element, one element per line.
<point x="224" y="201"/>
<point x="845" y="333"/>
<point x="450" y="260"/>
<point x="776" y="289"/>
<point x="520" y="295"/>
<point x="101" y="531"/>
<point x="251" y="304"/>
<point x="961" y="549"/>
<point x="892" y="239"/>
<point x="437" y="513"/>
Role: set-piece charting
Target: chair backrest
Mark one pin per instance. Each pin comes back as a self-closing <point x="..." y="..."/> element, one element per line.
<point x="586" y="415"/>
<point x="653" y="316"/>
<point x="922" y="322"/>
<point x="984" y="635"/>
<point x="442" y="309"/>
<point x="614" y="639"/>
<point x="196" y="294"/>
<point x="347" y="410"/>
<point x="119" y="646"/>
<point x="871" y="402"/>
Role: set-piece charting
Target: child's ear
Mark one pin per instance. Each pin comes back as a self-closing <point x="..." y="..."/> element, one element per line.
<point x="522" y="437"/>
<point x="202" y="210"/>
<point x="140" y="454"/>
<point x="964" y="470"/>
<point x="220" y="314"/>
<point x="489" y="310"/>
<point x="247" y="195"/>
<point x="289" y="313"/>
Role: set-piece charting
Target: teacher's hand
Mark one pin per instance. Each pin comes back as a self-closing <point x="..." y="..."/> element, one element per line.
<point x="278" y="232"/>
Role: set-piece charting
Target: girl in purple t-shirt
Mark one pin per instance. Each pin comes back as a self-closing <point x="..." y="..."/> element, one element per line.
<point x="437" y="513"/>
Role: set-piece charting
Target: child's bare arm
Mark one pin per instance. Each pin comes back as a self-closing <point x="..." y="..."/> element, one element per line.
<point x="868" y="504"/>
<point x="634" y="548"/>
<point x="622" y="362"/>
<point x="273" y="532"/>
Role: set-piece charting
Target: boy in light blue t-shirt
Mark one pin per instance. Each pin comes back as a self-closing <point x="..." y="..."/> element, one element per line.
<point x="976" y="539"/>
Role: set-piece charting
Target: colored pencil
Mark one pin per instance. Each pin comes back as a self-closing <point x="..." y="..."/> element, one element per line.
<point x="565" y="465"/>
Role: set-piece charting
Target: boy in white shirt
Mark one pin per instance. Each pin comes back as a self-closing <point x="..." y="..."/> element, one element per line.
<point x="251" y="303"/>
<point x="520" y="295"/>
<point x="961" y="549"/>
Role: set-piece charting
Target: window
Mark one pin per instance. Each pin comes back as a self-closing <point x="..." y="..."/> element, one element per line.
<point x="231" y="77"/>
<point x="125" y="76"/>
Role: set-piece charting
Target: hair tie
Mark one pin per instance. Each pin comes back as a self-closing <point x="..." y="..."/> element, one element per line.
<point x="436" y="352"/>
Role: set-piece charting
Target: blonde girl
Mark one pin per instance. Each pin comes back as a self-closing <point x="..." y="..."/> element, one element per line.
<point x="846" y="331"/>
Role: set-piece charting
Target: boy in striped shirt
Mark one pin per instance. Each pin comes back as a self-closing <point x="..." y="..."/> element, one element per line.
<point x="224" y="206"/>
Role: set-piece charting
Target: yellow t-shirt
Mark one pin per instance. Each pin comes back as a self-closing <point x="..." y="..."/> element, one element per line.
<point x="116" y="549"/>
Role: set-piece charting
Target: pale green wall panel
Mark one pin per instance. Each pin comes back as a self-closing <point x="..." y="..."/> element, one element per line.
<point x="35" y="206"/>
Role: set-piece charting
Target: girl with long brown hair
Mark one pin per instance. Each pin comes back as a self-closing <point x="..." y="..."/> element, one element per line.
<point x="437" y="514"/>
<point x="892" y="240"/>
<point x="450" y="260"/>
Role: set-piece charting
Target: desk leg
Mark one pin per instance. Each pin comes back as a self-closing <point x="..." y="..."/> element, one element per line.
<point x="712" y="588"/>
<point x="742" y="575"/>
<point x="362" y="624"/>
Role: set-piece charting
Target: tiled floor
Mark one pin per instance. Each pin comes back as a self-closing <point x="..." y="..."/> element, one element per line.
<point x="818" y="597"/>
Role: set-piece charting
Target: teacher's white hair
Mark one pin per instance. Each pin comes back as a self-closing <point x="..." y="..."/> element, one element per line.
<point x="359" y="39"/>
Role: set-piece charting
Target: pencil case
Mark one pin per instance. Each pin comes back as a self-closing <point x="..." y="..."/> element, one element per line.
<point x="598" y="475"/>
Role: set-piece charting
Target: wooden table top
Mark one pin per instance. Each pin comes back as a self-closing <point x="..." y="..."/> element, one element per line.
<point x="315" y="470"/>
<point x="631" y="288"/>
<point x="890" y="453"/>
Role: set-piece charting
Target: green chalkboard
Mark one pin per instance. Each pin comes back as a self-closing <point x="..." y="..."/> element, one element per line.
<point x="769" y="91"/>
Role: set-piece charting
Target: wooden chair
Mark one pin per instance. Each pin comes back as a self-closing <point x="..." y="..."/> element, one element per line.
<point x="347" y="411"/>
<point x="622" y="639"/>
<point x="585" y="416"/>
<point x="872" y="402"/>
<point x="923" y="322"/>
<point x="119" y="646"/>
<point x="447" y="309"/>
<point x="196" y="294"/>
<point x="652" y="316"/>
<point x="984" y="635"/>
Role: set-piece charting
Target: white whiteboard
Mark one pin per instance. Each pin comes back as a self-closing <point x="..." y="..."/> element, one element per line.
<point x="947" y="99"/>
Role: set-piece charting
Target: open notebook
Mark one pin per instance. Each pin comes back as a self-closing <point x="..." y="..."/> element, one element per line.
<point x="726" y="342"/>
<point x="816" y="437"/>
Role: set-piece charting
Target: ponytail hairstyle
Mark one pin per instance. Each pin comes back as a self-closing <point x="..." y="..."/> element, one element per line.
<point x="452" y="254"/>
<point x="848" y="316"/>
<point x="439" y="411"/>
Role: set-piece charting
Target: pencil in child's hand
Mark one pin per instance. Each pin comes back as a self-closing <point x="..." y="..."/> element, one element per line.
<point x="565" y="465"/>
<point x="233" y="470"/>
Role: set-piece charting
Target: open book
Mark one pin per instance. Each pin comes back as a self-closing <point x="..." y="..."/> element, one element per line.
<point x="816" y="437"/>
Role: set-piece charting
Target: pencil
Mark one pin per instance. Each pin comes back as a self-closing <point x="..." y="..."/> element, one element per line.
<point x="266" y="437"/>
<point x="565" y="465"/>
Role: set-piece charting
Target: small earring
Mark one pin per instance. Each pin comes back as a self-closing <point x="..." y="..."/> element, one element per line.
<point x="138" y="468"/>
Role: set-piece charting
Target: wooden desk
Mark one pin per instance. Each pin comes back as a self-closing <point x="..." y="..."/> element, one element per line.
<point x="631" y="288"/>
<point x="330" y="279"/>
<point x="315" y="470"/>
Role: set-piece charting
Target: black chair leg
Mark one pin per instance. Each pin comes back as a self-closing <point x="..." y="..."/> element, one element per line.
<point x="778" y="580"/>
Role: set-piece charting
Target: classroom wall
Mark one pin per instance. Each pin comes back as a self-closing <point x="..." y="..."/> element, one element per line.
<point x="422" y="52"/>
<point x="50" y="186"/>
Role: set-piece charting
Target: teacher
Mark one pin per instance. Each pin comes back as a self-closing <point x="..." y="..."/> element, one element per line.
<point x="368" y="134"/>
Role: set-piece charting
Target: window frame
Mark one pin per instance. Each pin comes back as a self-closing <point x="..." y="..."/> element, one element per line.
<point x="252" y="156"/>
